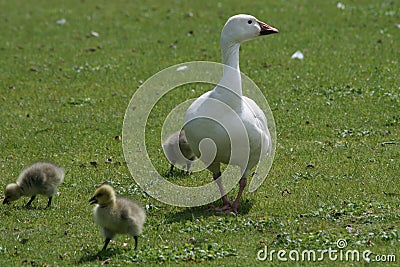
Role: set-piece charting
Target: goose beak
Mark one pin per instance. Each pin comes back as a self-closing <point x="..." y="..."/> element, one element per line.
<point x="6" y="201"/>
<point x="266" y="29"/>
<point x="93" y="200"/>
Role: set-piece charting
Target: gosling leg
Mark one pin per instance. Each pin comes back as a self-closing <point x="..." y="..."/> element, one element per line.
<point x="171" y="169"/>
<point x="106" y="244"/>
<point x="136" y="241"/>
<point x="28" y="205"/>
<point x="49" y="202"/>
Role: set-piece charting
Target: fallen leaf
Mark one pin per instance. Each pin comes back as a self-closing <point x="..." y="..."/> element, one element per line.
<point x="298" y="55"/>
<point x="340" y="5"/>
<point x="94" y="34"/>
<point x="93" y="163"/>
<point x="350" y="229"/>
<point x="61" y="21"/>
<point x="286" y="191"/>
<point x="180" y="68"/>
<point x="106" y="261"/>
<point x="90" y="49"/>
<point x="24" y="240"/>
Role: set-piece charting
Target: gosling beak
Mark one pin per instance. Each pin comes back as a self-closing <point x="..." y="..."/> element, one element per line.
<point x="266" y="29"/>
<point x="6" y="201"/>
<point x="93" y="200"/>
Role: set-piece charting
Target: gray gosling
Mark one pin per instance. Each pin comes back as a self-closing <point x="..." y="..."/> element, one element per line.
<point x="116" y="215"/>
<point x="40" y="178"/>
<point x="178" y="151"/>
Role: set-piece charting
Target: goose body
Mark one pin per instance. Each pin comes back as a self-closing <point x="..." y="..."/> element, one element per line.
<point x="41" y="178"/>
<point x="225" y="110"/>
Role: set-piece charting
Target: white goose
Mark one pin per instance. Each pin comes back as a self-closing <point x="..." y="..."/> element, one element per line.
<point x="233" y="111"/>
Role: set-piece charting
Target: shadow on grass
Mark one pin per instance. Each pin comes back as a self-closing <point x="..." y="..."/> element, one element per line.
<point x="245" y="206"/>
<point x="18" y="207"/>
<point x="176" y="173"/>
<point x="102" y="256"/>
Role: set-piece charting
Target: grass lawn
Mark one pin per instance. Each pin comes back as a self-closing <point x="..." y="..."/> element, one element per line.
<point x="68" y="71"/>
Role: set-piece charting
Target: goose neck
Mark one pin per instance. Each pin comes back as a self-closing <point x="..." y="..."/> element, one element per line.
<point x="230" y="55"/>
<point x="231" y="78"/>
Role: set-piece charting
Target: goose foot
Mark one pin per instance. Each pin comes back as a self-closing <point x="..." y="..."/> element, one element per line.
<point x="228" y="207"/>
<point x="231" y="208"/>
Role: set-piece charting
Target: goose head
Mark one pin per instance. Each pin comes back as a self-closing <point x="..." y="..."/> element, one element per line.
<point x="104" y="196"/>
<point x="12" y="192"/>
<point x="241" y="28"/>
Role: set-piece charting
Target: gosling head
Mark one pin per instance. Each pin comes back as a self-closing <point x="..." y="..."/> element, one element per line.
<point x="182" y="137"/>
<point x="104" y="196"/>
<point x="12" y="192"/>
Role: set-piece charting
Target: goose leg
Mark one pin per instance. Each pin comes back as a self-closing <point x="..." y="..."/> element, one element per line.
<point x="226" y="204"/>
<point x="235" y="204"/>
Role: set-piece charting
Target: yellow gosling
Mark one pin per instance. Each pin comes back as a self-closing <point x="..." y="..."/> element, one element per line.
<point x="116" y="215"/>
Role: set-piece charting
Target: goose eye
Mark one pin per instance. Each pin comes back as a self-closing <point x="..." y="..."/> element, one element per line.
<point x="249" y="21"/>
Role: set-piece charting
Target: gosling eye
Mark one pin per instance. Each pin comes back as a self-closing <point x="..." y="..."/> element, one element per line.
<point x="249" y="21"/>
<point x="99" y="194"/>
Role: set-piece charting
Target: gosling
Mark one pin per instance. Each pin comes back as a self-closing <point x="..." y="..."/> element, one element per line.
<point x="40" y="178"/>
<point x="178" y="151"/>
<point x="116" y="215"/>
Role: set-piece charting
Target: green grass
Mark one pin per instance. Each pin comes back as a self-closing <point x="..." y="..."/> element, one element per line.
<point x="64" y="93"/>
